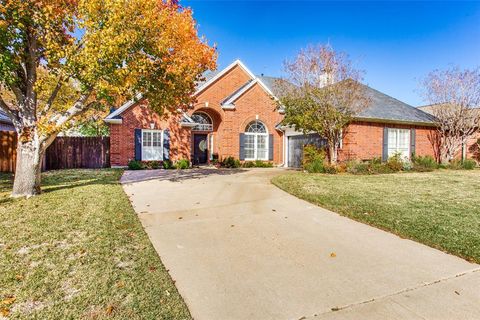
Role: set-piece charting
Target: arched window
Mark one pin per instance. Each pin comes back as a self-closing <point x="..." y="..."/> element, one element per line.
<point x="256" y="141"/>
<point x="203" y="121"/>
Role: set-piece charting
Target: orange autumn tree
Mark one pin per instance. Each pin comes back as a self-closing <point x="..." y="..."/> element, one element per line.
<point x="60" y="59"/>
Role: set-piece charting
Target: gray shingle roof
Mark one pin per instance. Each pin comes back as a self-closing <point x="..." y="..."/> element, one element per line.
<point x="384" y="107"/>
<point x="271" y="83"/>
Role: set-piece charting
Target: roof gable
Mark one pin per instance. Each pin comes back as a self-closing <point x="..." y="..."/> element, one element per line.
<point x="267" y="84"/>
<point x="212" y="77"/>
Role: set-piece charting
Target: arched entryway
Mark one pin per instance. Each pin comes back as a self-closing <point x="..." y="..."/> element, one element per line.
<point x="202" y="144"/>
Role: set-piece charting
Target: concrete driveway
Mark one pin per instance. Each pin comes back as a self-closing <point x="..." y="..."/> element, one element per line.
<point x="239" y="248"/>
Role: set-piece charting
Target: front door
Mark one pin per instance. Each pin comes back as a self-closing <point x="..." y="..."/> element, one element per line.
<point x="200" y="149"/>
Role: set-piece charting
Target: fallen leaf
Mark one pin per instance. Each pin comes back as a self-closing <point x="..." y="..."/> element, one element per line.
<point x="120" y="284"/>
<point x="333" y="255"/>
<point x="19" y="277"/>
<point x="8" y="301"/>
<point x="4" y="312"/>
<point x="152" y="269"/>
<point x="109" y="310"/>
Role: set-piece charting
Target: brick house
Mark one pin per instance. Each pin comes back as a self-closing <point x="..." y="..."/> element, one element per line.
<point x="236" y="115"/>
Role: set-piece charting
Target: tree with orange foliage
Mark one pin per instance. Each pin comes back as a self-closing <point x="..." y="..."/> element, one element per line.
<point x="60" y="59"/>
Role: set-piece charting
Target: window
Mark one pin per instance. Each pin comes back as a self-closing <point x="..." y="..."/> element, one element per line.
<point x="399" y="142"/>
<point x="256" y="141"/>
<point x="203" y="121"/>
<point x="152" y="145"/>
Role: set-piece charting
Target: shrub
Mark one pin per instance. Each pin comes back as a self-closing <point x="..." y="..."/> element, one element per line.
<point x="374" y="166"/>
<point x="315" y="166"/>
<point x="168" y="164"/>
<point x="395" y="163"/>
<point x="248" y="164"/>
<point x="154" y="165"/>
<point x="455" y="164"/>
<point x="313" y="159"/>
<point x="135" y="165"/>
<point x="424" y="164"/>
<point x="263" y="164"/>
<point x="182" y="164"/>
<point x="230" y="162"/>
<point x="469" y="164"/>
<point x="330" y="169"/>
<point x="358" y="167"/>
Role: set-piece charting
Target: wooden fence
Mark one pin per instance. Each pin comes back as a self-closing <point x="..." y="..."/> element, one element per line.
<point x="8" y="154"/>
<point x="63" y="153"/>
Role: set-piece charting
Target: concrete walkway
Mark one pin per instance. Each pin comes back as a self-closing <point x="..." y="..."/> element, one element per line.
<point x="239" y="248"/>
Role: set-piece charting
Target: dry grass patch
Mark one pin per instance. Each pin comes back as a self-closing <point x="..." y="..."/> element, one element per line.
<point x="78" y="251"/>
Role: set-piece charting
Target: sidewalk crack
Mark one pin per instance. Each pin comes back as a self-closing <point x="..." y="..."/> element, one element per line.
<point x="423" y="285"/>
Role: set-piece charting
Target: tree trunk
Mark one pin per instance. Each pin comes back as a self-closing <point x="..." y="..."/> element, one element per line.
<point x="332" y="153"/>
<point x="28" y="168"/>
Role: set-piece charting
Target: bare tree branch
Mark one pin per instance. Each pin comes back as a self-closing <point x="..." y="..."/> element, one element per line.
<point x="455" y="98"/>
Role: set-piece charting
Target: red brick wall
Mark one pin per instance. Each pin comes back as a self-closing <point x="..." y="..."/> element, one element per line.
<point x="139" y="116"/>
<point x="473" y="150"/>
<point x="364" y="140"/>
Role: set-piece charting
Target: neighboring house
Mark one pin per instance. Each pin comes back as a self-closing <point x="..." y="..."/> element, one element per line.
<point x="5" y="122"/>
<point x="471" y="149"/>
<point x="236" y="115"/>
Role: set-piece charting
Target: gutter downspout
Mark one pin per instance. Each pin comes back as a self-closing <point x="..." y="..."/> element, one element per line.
<point x="283" y="164"/>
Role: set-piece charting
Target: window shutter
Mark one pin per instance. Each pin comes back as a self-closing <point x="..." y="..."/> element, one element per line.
<point x="270" y="147"/>
<point x="166" y="144"/>
<point x="242" y="146"/>
<point x="385" y="144"/>
<point x="412" y="142"/>
<point x="138" y="144"/>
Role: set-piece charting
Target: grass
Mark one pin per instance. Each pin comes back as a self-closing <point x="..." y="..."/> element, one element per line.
<point x="440" y="209"/>
<point x="78" y="251"/>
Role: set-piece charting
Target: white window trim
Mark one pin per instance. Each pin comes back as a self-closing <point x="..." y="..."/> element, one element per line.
<point x="211" y="147"/>
<point x="255" y="145"/>
<point x="408" y="142"/>
<point x="161" y="144"/>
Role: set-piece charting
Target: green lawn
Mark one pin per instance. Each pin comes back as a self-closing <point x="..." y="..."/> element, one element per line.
<point x="440" y="209"/>
<point x="78" y="251"/>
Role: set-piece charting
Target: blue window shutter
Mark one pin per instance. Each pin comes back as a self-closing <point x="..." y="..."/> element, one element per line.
<point x="166" y="144"/>
<point x="270" y="147"/>
<point x="412" y="142"/>
<point x="138" y="144"/>
<point x="242" y="146"/>
<point x="385" y="144"/>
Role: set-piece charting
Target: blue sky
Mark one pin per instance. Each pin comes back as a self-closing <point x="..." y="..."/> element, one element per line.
<point x="396" y="43"/>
